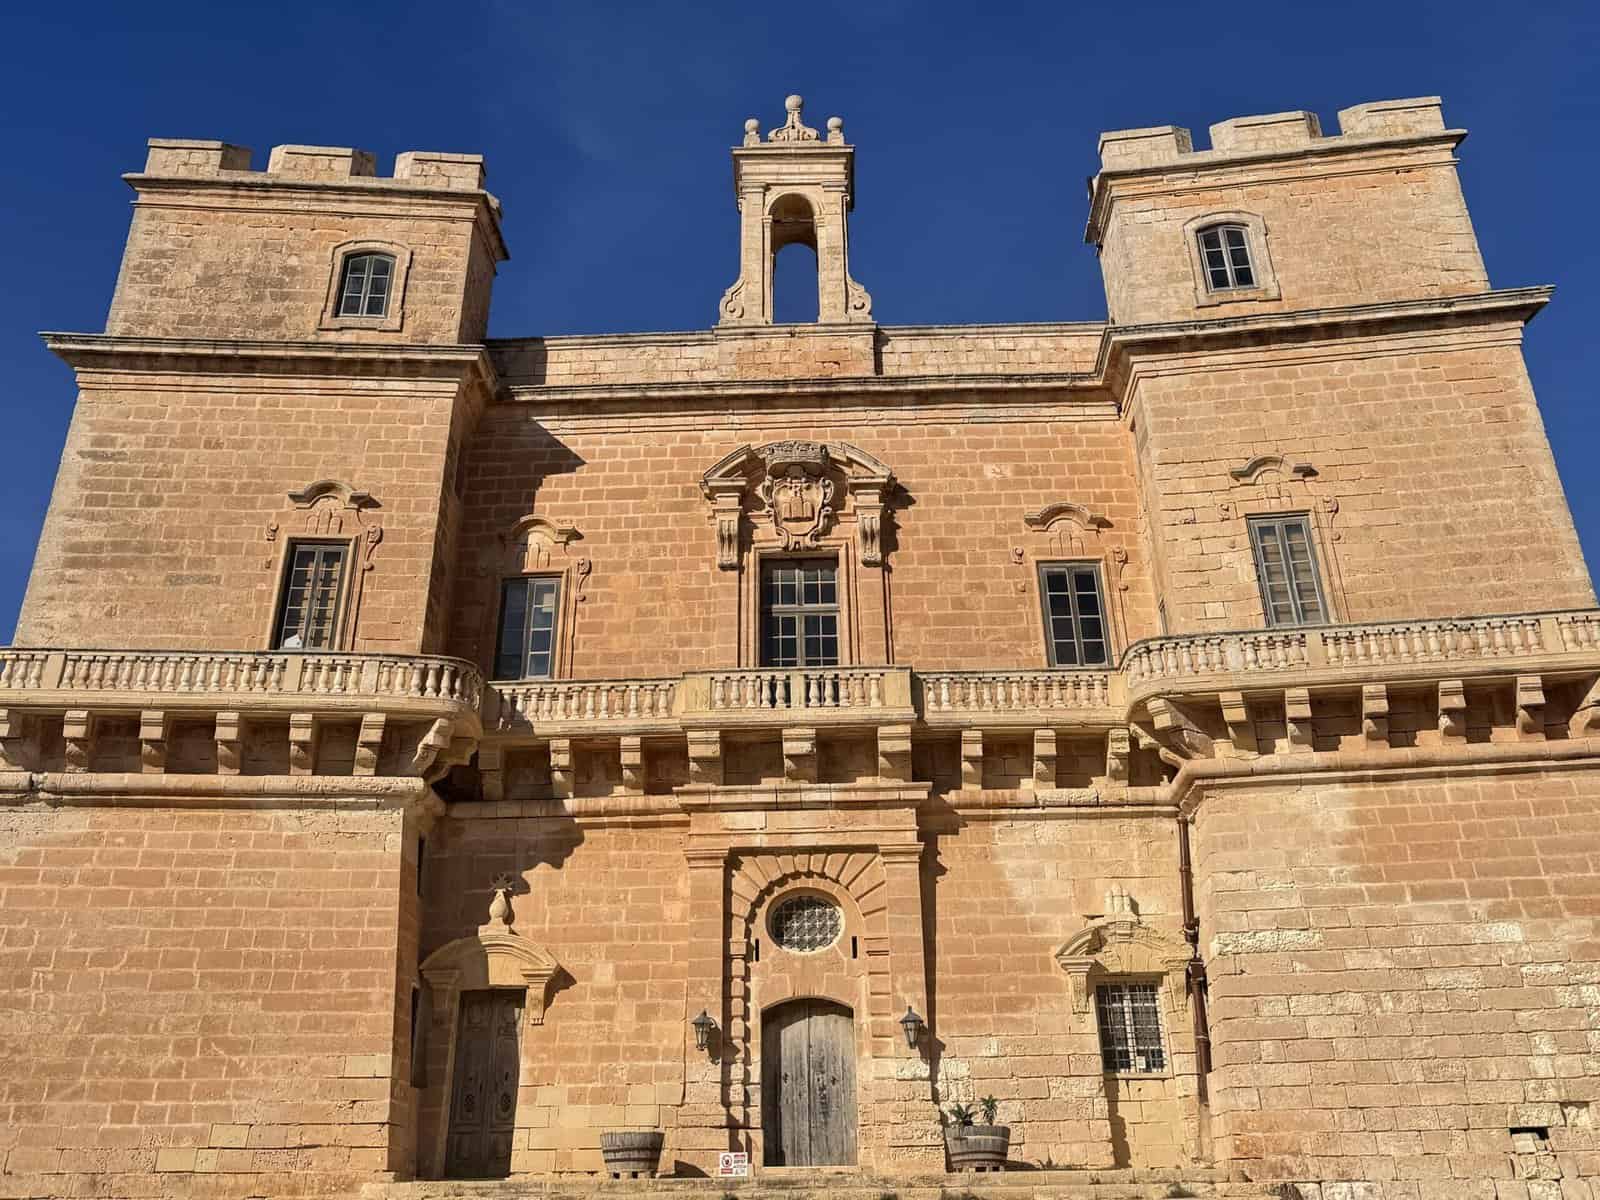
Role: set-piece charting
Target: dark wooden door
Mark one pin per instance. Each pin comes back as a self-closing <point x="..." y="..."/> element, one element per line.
<point x="483" y="1107"/>
<point x="808" y="1084"/>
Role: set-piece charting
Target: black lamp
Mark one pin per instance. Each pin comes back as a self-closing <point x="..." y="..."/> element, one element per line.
<point x="912" y="1024"/>
<point x="703" y="1025"/>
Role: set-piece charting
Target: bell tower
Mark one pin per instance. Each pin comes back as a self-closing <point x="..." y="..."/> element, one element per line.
<point x="794" y="187"/>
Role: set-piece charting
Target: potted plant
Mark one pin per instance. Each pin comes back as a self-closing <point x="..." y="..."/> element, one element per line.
<point x="632" y="1154"/>
<point x="974" y="1147"/>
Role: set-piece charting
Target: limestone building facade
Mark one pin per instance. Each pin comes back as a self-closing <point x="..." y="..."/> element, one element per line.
<point x="423" y="754"/>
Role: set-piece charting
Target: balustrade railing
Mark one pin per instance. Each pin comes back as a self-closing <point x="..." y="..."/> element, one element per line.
<point x="585" y="700"/>
<point x="816" y="687"/>
<point x="1014" y="691"/>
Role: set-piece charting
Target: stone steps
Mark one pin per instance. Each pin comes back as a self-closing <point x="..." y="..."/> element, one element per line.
<point x="828" y="1185"/>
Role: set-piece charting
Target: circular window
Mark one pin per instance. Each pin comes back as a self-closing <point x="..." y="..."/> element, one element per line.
<point x="806" y="923"/>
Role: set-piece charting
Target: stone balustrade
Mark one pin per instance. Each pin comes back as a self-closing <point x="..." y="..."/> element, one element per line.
<point x="1027" y="698"/>
<point x="617" y="705"/>
<point x="248" y="680"/>
<point x="803" y="695"/>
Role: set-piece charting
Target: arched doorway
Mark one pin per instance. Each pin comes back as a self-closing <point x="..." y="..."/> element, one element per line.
<point x="808" y="1084"/>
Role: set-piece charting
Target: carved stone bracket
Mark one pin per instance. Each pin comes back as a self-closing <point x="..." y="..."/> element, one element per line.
<point x="1044" y="758"/>
<point x="1119" y="755"/>
<point x="800" y="754"/>
<point x="1178" y="732"/>
<point x="77" y="736"/>
<point x="369" y="743"/>
<point x="19" y="740"/>
<point x="792" y="490"/>
<point x="1375" y="714"/>
<point x="894" y="753"/>
<point x="1530" y="707"/>
<point x="971" y="758"/>
<point x="1297" y="714"/>
<point x="304" y="733"/>
<point x="1586" y="720"/>
<point x="229" y="741"/>
<point x="153" y="729"/>
<point x="440" y="749"/>
<point x="705" y="757"/>
<point x="1452" y="710"/>
<point x="1236" y="715"/>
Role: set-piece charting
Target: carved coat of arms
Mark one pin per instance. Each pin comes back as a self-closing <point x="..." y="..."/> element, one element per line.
<point x="797" y="492"/>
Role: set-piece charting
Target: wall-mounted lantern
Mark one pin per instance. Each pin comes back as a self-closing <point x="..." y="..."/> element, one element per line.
<point x="703" y="1026"/>
<point x="912" y="1024"/>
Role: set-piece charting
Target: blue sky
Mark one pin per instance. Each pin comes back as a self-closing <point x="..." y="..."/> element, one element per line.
<point x="607" y="126"/>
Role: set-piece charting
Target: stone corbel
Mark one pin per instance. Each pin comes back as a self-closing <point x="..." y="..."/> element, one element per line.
<point x="894" y="753"/>
<point x="705" y="757"/>
<point x="971" y="759"/>
<point x="491" y="771"/>
<point x="1297" y="715"/>
<point x="19" y="740"/>
<point x="869" y="523"/>
<point x="1530" y="708"/>
<point x="630" y="752"/>
<point x="1452" y="710"/>
<point x="77" y="736"/>
<point x="561" y="768"/>
<point x="1585" y="721"/>
<point x="439" y="749"/>
<point x="1236" y="715"/>
<point x="1119" y="755"/>
<point x="1044" y="758"/>
<point x="1375" y="714"/>
<point x="726" y="511"/>
<point x="304" y="735"/>
<point x="230" y="737"/>
<point x="1177" y="731"/>
<point x="800" y="754"/>
<point x="153" y="730"/>
<point x="369" y="743"/>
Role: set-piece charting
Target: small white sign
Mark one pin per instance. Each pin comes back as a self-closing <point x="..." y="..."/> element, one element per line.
<point x="733" y="1166"/>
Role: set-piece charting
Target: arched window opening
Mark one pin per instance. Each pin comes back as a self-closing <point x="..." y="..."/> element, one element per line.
<point x="796" y="296"/>
<point x="365" y="284"/>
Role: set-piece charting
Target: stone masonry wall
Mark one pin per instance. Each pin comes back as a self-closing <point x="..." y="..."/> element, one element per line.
<point x="630" y="484"/>
<point x="196" y="991"/>
<point x="1403" y="973"/>
<point x="159" y="533"/>
<point x="1435" y="493"/>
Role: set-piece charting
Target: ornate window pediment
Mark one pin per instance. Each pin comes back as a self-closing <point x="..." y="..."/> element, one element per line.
<point x="796" y="493"/>
<point x="1119" y="943"/>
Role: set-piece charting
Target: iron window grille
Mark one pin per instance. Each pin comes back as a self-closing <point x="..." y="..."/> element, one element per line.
<point x="529" y="607"/>
<point x="1074" y="615"/>
<point x="800" y="613"/>
<point x="1225" y="252"/>
<point x="1130" y="1028"/>
<point x="313" y="597"/>
<point x="364" y="287"/>
<point x="1286" y="568"/>
<point x="806" y="923"/>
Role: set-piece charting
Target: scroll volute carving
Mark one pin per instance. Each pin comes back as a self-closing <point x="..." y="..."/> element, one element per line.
<point x="797" y="495"/>
<point x="329" y="510"/>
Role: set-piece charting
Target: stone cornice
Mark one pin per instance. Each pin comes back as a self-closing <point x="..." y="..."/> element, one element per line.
<point x="229" y="356"/>
<point x="1189" y="164"/>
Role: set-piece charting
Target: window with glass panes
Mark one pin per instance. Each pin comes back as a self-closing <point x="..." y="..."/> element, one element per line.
<point x="313" y="593"/>
<point x="1074" y="615"/>
<point x="364" y="289"/>
<point x="1130" y="1027"/>
<point x="1286" y="566"/>
<point x="527" y="643"/>
<point x="1225" y="250"/>
<point x="800" y="613"/>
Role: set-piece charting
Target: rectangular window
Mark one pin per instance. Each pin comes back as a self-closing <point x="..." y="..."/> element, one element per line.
<point x="800" y="613"/>
<point x="1286" y="566"/>
<point x="527" y="643"/>
<point x="1074" y="615"/>
<point x="1130" y="1027"/>
<point x="1226" y="251"/>
<point x="313" y="597"/>
<point x="365" y="292"/>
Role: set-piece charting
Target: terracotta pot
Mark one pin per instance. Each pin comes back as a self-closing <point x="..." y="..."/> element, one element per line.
<point x="978" y="1147"/>
<point x="633" y="1154"/>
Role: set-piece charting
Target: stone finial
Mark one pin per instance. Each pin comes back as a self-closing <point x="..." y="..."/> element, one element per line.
<point x="836" y="131"/>
<point x="1118" y="902"/>
<point x="793" y="129"/>
<point x="752" y="132"/>
<point x="500" y="906"/>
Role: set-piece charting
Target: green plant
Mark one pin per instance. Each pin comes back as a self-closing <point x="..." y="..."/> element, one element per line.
<point x="962" y="1115"/>
<point x="991" y="1109"/>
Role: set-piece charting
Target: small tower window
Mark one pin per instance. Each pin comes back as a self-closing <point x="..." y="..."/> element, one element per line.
<point x="365" y="285"/>
<point x="1225" y="252"/>
<point x="1286" y="567"/>
<point x="313" y="597"/>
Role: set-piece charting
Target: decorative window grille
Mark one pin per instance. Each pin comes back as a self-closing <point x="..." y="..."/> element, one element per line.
<point x="1286" y="567"/>
<point x="800" y="613"/>
<point x="364" y="288"/>
<point x="528" y="610"/>
<point x="806" y="923"/>
<point x="1074" y="615"/>
<point x="1130" y="1027"/>
<point x="313" y="597"/>
<point x="1225" y="252"/>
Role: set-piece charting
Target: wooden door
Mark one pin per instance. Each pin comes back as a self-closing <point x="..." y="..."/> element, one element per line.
<point x="483" y="1107"/>
<point x="808" y="1084"/>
